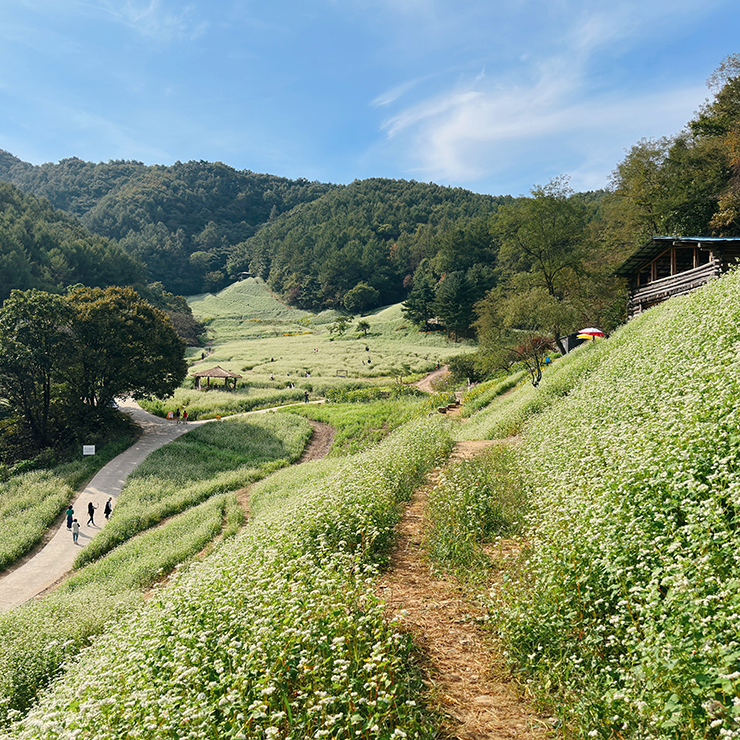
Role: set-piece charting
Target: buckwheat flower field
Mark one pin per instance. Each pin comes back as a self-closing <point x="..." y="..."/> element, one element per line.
<point x="628" y="606"/>
<point x="28" y="504"/>
<point x="40" y="637"/>
<point x="278" y="633"/>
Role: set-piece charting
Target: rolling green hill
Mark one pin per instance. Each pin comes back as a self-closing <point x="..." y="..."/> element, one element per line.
<point x="374" y="231"/>
<point x="197" y="225"/>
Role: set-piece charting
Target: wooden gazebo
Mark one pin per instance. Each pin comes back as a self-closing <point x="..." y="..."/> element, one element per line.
<point x="217" y="373"/>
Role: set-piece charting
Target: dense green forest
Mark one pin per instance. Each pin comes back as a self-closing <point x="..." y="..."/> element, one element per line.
<point x="180" y="221"/>
<point x="373" y="231"/>
<point x="43" y="248"/>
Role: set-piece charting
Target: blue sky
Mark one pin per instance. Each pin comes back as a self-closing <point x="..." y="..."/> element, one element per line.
<point x="491" y="96"/>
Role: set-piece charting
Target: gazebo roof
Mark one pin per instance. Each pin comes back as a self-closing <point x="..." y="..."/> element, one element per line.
<point x="216" y="372"/>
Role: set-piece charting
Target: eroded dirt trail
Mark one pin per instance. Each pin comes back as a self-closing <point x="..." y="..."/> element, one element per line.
<point x="320" y="442"/>
<point x="463" y="672"/>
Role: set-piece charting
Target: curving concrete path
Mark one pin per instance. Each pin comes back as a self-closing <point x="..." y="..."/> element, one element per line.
<point x="57" y="557"/>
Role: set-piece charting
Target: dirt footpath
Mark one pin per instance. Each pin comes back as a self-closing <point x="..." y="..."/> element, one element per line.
<point x="321" y="439"/>
<point x="465" y="674"/>
<point x="425" y="384"/>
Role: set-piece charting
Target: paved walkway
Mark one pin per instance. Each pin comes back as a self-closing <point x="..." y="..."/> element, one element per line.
<point x="57" y="557"/>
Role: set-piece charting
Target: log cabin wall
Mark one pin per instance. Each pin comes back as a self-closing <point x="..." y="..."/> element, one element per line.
<point x="671" y="266"/>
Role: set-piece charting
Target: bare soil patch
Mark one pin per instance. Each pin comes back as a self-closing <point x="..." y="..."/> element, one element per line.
<point x="465" y="673"/>
<point x="321" y="439"/>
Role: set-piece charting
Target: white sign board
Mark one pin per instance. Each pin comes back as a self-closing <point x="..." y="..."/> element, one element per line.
<point x="88" y="449"/>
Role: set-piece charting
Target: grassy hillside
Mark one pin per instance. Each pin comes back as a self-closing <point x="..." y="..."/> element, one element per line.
<point x="626" y="604"/>
<point x="278" y="634"/>
<point x="621" y="486"/>
<point x="272" y="346"/>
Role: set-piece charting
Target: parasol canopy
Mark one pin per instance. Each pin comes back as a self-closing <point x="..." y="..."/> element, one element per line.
<point x="591" y="332"/>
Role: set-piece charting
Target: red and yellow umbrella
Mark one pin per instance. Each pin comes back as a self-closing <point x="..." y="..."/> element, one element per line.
<point x="590" y="333"/>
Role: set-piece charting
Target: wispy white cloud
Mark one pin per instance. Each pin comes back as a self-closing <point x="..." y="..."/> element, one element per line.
<point x="154" y="19"/>
<point x="468" y="135"/>
<point x="547" y="103"/>
<point x="390" y="96"/>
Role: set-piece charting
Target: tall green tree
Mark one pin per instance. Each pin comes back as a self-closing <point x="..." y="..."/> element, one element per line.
<point x="419" y="306"/>
<point x="689" y="184"/>
<point x="543" y="236"/>
<point x="453" y="303"/>
<point x="36" y="347"/>
<point x="124" y="347"/>
<point x="519" y="326"/>
<point x="544" y="248"/>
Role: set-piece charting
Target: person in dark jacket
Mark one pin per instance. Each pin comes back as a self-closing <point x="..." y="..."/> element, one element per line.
<point x="91" y="513"/>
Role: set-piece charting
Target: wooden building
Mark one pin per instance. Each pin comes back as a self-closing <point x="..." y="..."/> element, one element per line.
<point x="674" y="265"/>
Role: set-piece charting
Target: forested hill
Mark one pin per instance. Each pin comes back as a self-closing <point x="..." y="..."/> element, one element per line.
<point x="373" y="232"/>
<point x="196" y="225"/>
<point x="179" y="220"/>
<point x="43" y="248"/>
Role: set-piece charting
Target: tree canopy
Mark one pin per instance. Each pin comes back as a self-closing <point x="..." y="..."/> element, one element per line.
<point x="64" y="358"/>
<point x="124" y="347"/>
<point x="45" y="249"/>
<point x="180" y="221"/>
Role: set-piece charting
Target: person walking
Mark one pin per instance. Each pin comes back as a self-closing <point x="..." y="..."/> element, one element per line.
<point x="75" y="531"/>
<point x="70" y="514"/>
<point x="91" y="513"/>
<point x="108" y="507"/>
<point x="177" y="416"/>
<point x="184" y="416"/>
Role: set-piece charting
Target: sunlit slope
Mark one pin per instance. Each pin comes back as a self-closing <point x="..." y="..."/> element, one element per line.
<point x="278" y="633"/>
<point x="252" y="332"/>
<point x="631" y="605"/>
<point x="243" y="301"/>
